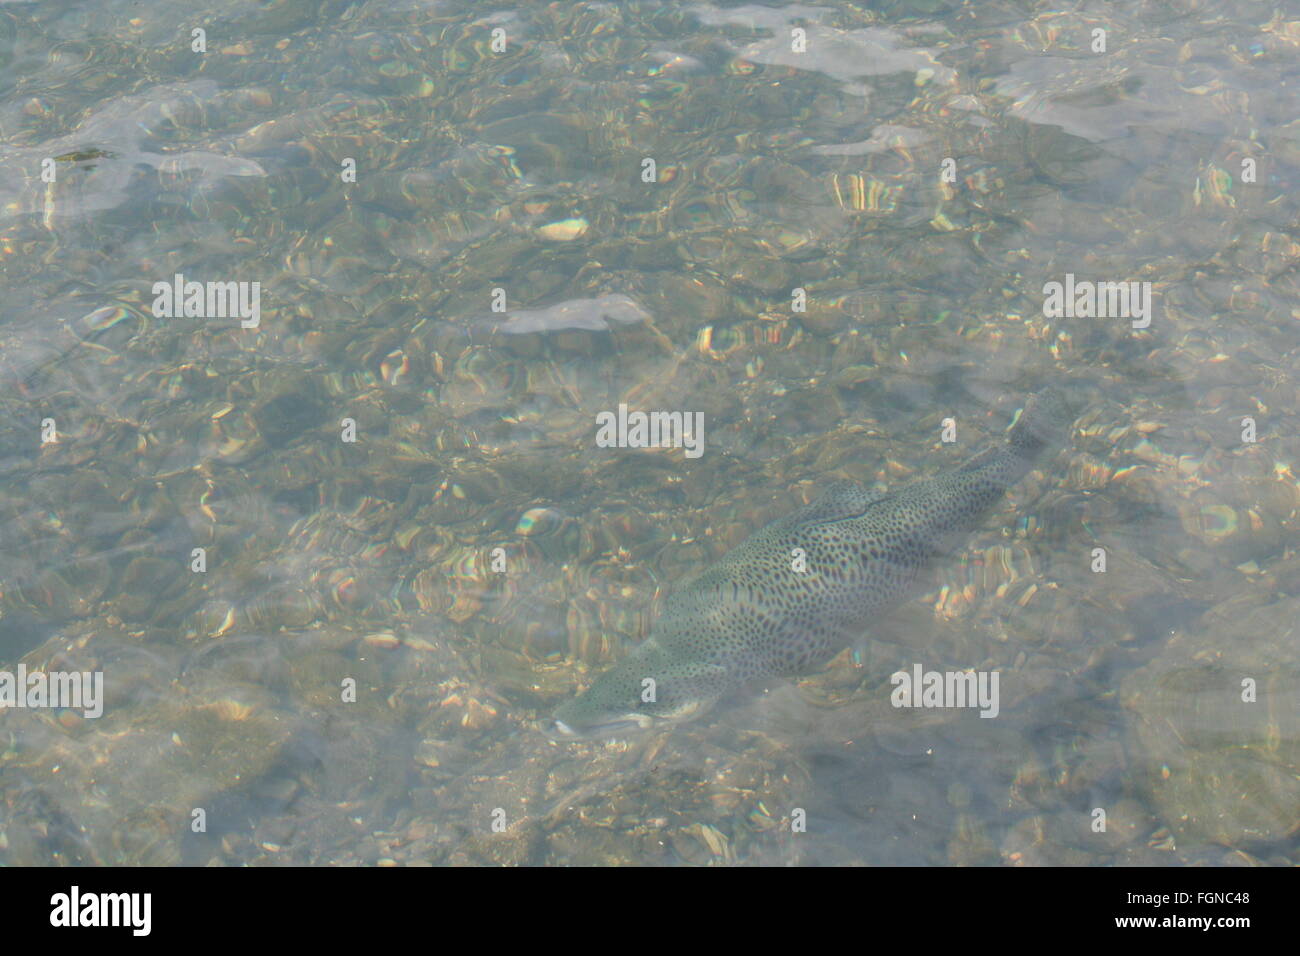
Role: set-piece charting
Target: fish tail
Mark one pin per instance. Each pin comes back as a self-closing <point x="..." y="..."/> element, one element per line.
<point x="1044" y="423"/>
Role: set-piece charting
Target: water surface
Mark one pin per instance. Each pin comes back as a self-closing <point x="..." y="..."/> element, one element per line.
<point x="521" y="170"/>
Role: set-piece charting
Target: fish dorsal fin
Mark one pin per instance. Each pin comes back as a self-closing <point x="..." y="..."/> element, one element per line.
<point x="840" y="500"/>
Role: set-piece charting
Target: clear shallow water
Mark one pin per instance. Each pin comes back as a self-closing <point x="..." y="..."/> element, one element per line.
<point x="522" y="171"/>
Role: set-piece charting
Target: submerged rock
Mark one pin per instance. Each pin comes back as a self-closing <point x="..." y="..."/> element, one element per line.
<point x="1216" y="767"/>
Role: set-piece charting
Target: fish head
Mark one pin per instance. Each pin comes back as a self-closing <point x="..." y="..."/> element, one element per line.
<point x="647" y="691"/>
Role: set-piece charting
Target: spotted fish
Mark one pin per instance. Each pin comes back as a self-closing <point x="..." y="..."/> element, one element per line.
<point x="797" y="592"/>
